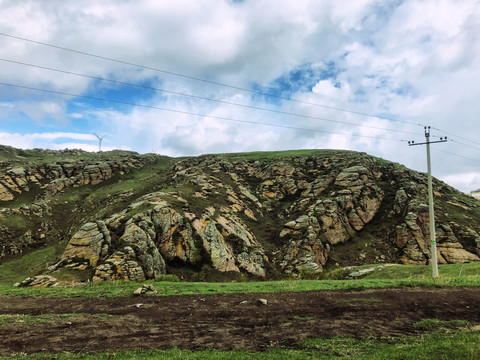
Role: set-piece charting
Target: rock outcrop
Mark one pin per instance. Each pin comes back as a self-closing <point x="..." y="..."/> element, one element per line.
<point x="265" y="217"/>
<point x="53" y="177"/>
<point x="161" y="234"/>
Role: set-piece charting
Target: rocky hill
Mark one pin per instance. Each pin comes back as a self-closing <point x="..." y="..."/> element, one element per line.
<point x="121" y="215"/>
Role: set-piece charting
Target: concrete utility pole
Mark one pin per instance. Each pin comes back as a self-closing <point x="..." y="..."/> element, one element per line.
<point x="99" y="142"/>
<point x="431" y="211"/>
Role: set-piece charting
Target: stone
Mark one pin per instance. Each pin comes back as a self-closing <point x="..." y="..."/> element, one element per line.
<point x="145" y="289"/>
<point x="38" y="281"/>
<point x="5" y="195"/>
<point x="175" y="235"/>
<point x="360" y="273"/>
<point x="221" y="253"/>
<point x="261" y="302"/>
<point x="139" y="239"/>
<point x="85" y="244"/>
<point x="454" y="253"/>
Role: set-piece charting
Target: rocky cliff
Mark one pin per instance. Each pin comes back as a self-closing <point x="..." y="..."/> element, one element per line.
<point x="260" y="214"/>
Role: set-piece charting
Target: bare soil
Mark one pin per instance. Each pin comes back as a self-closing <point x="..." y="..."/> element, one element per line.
<point x="224" y="321"/>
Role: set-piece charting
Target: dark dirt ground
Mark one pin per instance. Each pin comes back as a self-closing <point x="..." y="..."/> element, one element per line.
<point x="224" y="321"/>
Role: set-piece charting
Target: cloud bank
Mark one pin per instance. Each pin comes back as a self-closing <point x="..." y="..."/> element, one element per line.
<point x="409" y="62"/>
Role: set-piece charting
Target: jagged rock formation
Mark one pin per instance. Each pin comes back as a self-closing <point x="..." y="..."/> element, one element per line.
<point x="31" y="178"/>
<point x="53" y="177"/>
<point x="263" y="216"/>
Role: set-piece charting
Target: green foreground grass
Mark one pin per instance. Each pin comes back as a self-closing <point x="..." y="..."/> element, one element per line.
<point x="384" y="276"/>
<point x="442" y="340"/>
<point x="463" y="344"/>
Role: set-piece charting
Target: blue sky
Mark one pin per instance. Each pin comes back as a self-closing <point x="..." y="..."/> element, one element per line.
<point x="327" y="64"/>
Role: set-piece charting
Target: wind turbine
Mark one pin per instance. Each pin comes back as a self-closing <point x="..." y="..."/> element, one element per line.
<point x="99" y="142"/>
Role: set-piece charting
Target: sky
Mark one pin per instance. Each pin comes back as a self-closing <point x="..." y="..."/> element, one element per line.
<point x="184" y="78"/>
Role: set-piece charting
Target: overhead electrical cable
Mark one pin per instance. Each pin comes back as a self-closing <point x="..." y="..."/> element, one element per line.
<point x="195" y="114"/>
<point x="205" y="80"/>
<point x="470" y="146"/>
<point x="223" y="84"/>
<point x="457" y="155"/>
<point x="205" y="98"/>
<point x="457" y="136"/>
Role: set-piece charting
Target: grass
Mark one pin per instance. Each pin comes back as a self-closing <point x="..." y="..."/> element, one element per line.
<point x="168" y="288"/>
<point x="445" y="339"/>
<point x="20" y="157"/>
<point x="437" y="345"/>
<point x="31" y="319"/>
<point x="393" y="276"/>
<point x="14" y="222"/>
<point x="447" y="272"/>
<point x="264" y="155"/>
<point x="27" y="265"/>
<point x="436" y="324"/>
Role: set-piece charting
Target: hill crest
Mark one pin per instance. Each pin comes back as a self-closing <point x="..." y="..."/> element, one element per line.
<point x="122" y="215"/>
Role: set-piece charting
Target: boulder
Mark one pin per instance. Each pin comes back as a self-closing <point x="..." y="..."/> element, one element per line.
<point x="145" y="289"/>
<point x="38" y="281"/>
<point x="85" y="244"/>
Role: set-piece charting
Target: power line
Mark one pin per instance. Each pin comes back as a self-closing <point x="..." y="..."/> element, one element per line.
<point x="230" y="86"/>
<point x="460" y="143"/>
<point x="458" y="155"/>
<point x="457" y="136"/>
<point x="196" y="114"/>
<point x="204" y="80"/>
<point x="205" y="98"/>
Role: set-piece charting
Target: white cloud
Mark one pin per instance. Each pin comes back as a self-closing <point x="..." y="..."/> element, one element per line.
<point x="416" y="61"/>
<point x="465" y="181"/>
<point x="36" y="140"/>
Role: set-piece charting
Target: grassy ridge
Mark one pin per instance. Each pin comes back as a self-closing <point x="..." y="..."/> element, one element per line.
<point x="265" y="155"/>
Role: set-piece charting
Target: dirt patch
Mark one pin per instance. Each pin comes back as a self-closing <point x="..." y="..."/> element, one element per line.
<point x="222" y="321"/>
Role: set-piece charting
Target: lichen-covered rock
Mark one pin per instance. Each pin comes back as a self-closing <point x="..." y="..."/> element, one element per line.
<point x="5" y="195"/>
<point x="58" y="176"/>
<point x="220" y="252"/>
<point x="454" y="253"/>
<point x="140" y="239"/>
<point x="257" y="215"/>
<point x="122" y="265"/>
<point x="175" y="236"/>
<point x="38" y="281"/>
<point x="85" y="244"/>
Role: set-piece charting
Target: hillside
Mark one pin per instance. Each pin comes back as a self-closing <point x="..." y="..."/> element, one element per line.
<point x="120" y="215"/>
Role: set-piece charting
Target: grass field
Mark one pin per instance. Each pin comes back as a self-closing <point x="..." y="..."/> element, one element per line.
<point x="440" y="339"/>
<point x="391" y="276"/>
<point x="441" y="344"/>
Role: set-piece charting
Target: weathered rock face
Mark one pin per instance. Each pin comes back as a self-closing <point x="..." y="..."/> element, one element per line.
<point x="86" y="245"/>
<point x="55" y="177"/>
<point x="38" y="281"/>
<point x="263" y="217"/>
<point x="162" y="234"/>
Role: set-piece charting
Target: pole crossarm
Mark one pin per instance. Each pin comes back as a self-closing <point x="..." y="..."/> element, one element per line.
<point x="412" y="143"/>
<point x="431" y="210"/>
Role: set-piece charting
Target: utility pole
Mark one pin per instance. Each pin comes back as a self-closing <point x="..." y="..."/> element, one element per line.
<point x="431" y="211"/>
<point x="99" y="142"/>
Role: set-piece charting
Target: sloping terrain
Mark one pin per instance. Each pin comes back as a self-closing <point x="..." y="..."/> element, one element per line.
<point x="122" y="215"/>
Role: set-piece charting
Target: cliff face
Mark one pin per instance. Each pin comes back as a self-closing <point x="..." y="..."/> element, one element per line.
<point x="262" y="214"/>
